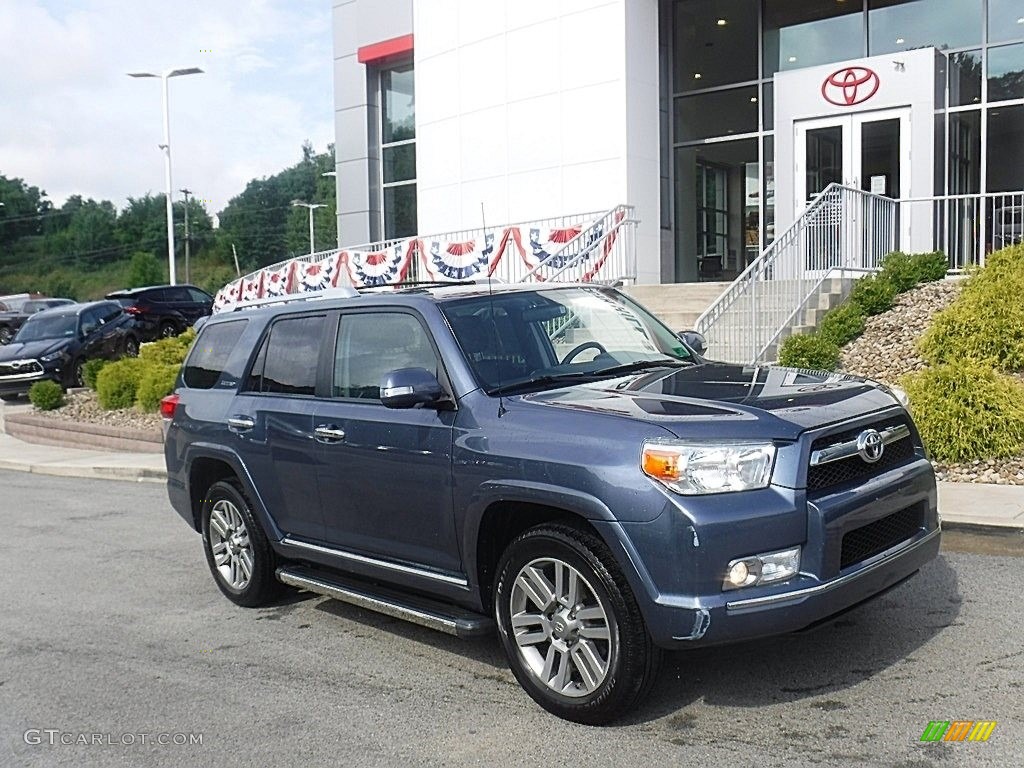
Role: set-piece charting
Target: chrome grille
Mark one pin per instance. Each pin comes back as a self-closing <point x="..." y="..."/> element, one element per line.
<point x="20" y="368"/>
<point x="849" y="469"/>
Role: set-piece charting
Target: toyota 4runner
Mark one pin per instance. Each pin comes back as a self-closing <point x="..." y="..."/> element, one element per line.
<point x="548" y="460"/>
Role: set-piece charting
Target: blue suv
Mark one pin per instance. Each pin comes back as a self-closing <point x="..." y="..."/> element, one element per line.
<point x="550" y="461"/>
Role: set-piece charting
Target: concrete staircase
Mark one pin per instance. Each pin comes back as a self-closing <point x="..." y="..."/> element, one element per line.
<point x="677" y="304"/>
<point x="830" y="295"/>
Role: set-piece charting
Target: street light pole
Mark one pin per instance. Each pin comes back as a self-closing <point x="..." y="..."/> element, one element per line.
<point x="166" y="147"/>
<point x="311" y="207"/>
<point x="186" y="193"/>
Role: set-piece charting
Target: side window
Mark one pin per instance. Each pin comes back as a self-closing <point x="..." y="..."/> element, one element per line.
<point x="158" y="296"/>
<point x="374" y="343"/>
<point x="287" y="362"/>
<point x="109" y="312"/>
<point x="198" y="296"/>
<point x="210" y="353"/>
<point x="89" y="321"/>
<point x="176" y="295"/>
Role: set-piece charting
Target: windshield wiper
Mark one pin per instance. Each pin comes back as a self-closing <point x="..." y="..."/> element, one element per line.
<point x="539" y="381"/>
<point x="641" y="365"/>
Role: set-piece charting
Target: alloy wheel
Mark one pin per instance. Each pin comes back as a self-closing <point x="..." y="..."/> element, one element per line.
<point x="6" y="335"/>
<point x="131" y="348"/>
<point x="230" y="545"/>
<point x="560" y="627"/>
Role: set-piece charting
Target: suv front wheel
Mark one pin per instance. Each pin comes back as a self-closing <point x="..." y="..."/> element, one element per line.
<point x="571" y="627"/>
<point x="237" y="552"/>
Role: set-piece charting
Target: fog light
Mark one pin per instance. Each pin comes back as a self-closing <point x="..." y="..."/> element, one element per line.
<point x="762" y="569"/>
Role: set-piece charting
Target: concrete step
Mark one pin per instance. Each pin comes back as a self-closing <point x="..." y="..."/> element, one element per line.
<point x="690" y="298"/>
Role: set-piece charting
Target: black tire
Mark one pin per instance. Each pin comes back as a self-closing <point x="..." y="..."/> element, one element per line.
<point x="6" y="334"/>
<point x="131" y="346"/>
<point x="262" y="587"/>
<point x="167" y="329"/>
<point x="10" y="398"/>
<point x="78" y="374"/>
<point x="632" y="658"/>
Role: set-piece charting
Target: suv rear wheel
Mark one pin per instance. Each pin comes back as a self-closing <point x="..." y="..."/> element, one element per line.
<point x="237" y="551"/>
<point x="571" y="627"/>
<point x="167" y="329"/>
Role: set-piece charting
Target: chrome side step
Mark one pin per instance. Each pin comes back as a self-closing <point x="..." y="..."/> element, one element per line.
<point x="429" y="613"/>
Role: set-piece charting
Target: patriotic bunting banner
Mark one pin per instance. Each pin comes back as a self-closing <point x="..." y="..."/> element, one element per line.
<point x="252" y="288"/>
<point x="550" y="250"/>
<point x="384" y="267"/>
<point x="227" y="296"/>
<point x="319" y="275"/>
<point x="457" y="260"/>
<point x="278" y="282"/>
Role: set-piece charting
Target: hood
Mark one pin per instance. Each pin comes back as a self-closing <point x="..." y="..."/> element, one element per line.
<point x="31" y="349"/>
<point x="786" y="401"/>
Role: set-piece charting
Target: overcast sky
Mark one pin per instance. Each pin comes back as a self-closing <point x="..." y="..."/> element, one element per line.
<point x="71" y="121"/>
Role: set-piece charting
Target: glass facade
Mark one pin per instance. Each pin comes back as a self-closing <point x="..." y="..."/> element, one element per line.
<point x="398" y="151"/>
<point x="720" y="174"/>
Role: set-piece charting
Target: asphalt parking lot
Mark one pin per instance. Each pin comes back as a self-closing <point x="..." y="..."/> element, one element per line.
<point x="110" y="625"/>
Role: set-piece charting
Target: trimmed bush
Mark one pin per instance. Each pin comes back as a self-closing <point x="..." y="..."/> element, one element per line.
<point x="156" y="383"/>
<point x="874" y="294"/>
<point x="905" y="270"/>
<point x="91" y="370"/>
<point x="170" y="351"/>
<point x="843" y="324"/>
<point x="118" y="383"/>
<point x="930" y="266"/>
<point x="965" y="411"/>
<point x="986" y="322"/>
<point x="46" y="395"/>
<point x="809" y="351"/>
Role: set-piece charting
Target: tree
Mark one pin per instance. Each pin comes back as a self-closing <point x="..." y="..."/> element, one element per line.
<point x="144" y="269"/>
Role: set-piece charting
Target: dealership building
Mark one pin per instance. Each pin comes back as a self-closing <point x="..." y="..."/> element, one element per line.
<point x="718" y="120"/>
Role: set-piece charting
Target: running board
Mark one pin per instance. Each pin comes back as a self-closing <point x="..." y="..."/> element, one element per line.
<point x="419" y="610"/>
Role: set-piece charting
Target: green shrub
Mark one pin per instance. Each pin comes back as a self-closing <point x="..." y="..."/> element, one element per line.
<point x="91" y="370"/>
<point x="907" y="270"/>
<point x="118" y="383"/>
<point x="170" y="351"/>
<point x="809" y="351"/>
<point x="843" y="324"/>
<point x="967" y="411"/>
<point x="156" y="383"/>
<point x="930" y="266"/>
<point x="46" y="395"/>
<point x="986" y="322"/>
<point x="874" y="294"/>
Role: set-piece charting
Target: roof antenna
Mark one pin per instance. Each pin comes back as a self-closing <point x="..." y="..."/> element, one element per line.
<point x="490" y="296"/>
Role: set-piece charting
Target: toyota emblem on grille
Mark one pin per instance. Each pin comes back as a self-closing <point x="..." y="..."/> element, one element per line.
<point x="870" y="445"/>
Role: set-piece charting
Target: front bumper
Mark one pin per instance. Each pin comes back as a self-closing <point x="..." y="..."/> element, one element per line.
<point x="20" y="384"/>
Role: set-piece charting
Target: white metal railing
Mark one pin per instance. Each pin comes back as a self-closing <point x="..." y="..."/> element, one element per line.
<point x="965" y="227"/>
<point x="584" y="247"/>
<point x="844" y="232"/>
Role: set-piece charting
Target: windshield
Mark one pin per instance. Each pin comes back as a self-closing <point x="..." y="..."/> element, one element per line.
<point x="529" y="340"/>
<point x="44" y="326"/>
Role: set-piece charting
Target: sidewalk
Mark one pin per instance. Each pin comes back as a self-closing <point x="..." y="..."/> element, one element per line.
<point x="962" y="505"/>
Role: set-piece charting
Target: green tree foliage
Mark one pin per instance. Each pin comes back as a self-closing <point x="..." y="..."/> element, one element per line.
<point x="144" y="269"/>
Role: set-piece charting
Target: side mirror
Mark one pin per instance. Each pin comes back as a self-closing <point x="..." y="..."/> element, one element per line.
<point x="694" y="341"/>
<point x="409" y="387"/>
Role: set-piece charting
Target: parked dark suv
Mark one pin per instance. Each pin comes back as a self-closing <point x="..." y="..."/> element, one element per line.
<point x="551" y="460"/>
<point x="164" y="310"/>
<point x="56" y="343"/>
<point x="12" y="320"/>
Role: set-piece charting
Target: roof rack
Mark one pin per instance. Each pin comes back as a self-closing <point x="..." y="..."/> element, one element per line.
<point x="343" y="292"/>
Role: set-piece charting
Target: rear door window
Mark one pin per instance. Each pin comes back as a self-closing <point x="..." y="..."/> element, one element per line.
<point x="210" y="354"/>
<point x="198" y="296"/>
<point x="287" y="361"/>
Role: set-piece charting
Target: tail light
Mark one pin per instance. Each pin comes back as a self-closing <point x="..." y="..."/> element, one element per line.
<point x="133" y="310"/>
<point x="168" y="406"/>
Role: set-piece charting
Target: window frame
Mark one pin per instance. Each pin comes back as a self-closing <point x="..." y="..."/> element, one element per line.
<point x="330" y="353"/>
<point x="404" y="64"/>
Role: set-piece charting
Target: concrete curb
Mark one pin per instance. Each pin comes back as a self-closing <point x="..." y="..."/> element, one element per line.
<point x="45" y="430"/>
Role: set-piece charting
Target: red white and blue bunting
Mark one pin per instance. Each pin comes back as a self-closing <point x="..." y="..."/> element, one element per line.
<point x="457" y="260"/>
<point x="278" y="282"/>
<point x="318" y="275"/>
<point x="385" y="267"/>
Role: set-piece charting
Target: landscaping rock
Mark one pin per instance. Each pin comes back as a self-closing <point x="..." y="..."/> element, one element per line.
<point x="82" y="407"/>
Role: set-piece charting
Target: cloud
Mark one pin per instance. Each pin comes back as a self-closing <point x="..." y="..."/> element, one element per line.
<point x="72" y="122"/>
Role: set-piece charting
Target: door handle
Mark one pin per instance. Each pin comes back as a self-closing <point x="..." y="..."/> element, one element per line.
<point x="326" y="433"/>
<point x="240" y="423"/>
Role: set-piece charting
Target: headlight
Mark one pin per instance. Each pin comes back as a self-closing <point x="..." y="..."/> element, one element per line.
<point x="693" y="468"/>
<point x="900" y="395"/>
<point x="51" y="357"/>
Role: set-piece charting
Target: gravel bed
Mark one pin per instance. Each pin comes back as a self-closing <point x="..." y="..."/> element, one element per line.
<point x="887" y="350"/>
<point x="82" y="407"/>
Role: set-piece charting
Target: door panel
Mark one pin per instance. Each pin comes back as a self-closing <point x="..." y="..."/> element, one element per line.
<point x="386" y="484"/>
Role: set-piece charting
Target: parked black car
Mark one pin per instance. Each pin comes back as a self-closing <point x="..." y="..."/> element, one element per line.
<point x="54" y="344"/>
<point x="12" y="320"/>
<point x="549" y="462"/>
<point x="164" y="310"/>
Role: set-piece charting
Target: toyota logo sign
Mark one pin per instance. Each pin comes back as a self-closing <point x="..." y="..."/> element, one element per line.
<point x="850" y="86"/>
